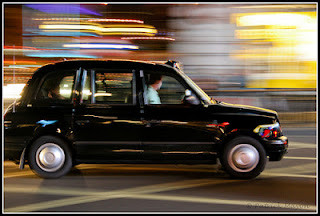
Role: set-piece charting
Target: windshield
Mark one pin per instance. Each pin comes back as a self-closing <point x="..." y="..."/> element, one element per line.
<point x="199" y="91"/>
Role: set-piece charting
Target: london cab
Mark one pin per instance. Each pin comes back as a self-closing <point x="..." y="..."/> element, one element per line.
<point x="76" y="112"/>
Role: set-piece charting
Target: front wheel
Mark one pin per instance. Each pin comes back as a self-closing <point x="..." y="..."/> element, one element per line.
<point x="50" y="157"/>
<point x="243" y="157"/>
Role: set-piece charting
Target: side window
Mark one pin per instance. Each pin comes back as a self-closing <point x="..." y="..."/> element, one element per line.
<point x="109" y="87"/>
<point x="57" y="88"/>
<point x="171" y="91"/>
<point x="166" y="89"/>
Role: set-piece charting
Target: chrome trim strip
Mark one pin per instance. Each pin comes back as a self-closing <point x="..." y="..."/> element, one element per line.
<point x="143" y="143"/>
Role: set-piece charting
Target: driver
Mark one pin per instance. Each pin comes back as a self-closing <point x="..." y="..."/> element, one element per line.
<point x="155" y="83"/>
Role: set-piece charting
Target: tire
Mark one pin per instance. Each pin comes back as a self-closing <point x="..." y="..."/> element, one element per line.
<point x="50" y="157"/>
<point x="243" y="157"/>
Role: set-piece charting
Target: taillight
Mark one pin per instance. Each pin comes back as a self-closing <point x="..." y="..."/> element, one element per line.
<point x="265" y="133"/>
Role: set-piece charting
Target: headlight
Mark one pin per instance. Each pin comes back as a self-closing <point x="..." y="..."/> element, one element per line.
<point x="269" y="131"/>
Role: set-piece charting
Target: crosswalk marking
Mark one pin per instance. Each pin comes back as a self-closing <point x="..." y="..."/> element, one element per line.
<point x="250" y="204"/>
<point x="144" y="192"/>
<point x="93" y="197"/>
<point x="80" y="196"/>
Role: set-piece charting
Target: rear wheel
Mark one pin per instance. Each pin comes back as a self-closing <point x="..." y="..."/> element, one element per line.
<point x="244" y="157"/>
<point x="50" y="157"/>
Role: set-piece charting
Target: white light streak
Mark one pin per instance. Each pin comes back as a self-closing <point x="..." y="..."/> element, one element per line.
<point x="99" y="46"/>
<point x="148" y="38"/>
<point x="12" y="90"/>
<point x="144" y="29"/>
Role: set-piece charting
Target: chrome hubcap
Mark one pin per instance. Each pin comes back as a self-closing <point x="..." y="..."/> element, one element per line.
<point x="50" y="157"/>
<point x="243" y="158"/>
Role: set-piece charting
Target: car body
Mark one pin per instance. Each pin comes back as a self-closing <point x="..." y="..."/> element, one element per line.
<point x="104" y="117"/>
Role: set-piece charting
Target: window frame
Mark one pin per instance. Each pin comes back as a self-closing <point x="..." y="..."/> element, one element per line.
<point x="91" y="74"/>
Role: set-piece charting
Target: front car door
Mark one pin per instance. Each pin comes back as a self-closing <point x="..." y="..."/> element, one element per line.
<point x="107" y="119"/>
<point x="175" y="131"/>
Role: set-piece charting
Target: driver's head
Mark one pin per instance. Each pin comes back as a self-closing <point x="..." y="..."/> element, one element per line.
<point x="155" y="81"/>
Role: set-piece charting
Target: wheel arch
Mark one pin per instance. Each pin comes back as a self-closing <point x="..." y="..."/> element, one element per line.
<point x="56" y="135"/>
<point x="235" y="133"/>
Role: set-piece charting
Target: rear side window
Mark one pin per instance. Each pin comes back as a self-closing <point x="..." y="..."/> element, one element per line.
<point x="109" y="87"/>
<point x="57" y="87"/>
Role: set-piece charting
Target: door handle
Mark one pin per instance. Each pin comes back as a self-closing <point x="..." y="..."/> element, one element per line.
<point x="82" y="122"/>
<point x="148" y="123"/>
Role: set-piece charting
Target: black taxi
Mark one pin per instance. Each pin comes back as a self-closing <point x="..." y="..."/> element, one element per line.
<point x="124" y="111"/>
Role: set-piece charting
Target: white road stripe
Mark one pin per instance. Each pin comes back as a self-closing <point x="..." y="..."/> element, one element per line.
<point x="112" y="194"/>
<point x="302" y="136"/>
<point x="252" y="205"/>
<point x="288" y="175"/>
<point x="293" y="171"/>
<point x="300" y="158"/>
<point x="18" y="174"/>
<point x="98" y="196"/>
<point x="301" y="145"/>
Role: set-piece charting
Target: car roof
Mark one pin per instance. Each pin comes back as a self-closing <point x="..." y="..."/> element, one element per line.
<point x="75" y="64"/>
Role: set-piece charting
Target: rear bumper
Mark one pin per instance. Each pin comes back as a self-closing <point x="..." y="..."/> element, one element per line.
<point x="276" y="148"/>
<point x="13" y="149"/>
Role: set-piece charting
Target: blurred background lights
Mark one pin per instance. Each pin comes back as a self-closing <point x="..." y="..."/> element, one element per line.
<point x="289" y="37"/>
<point x="62" y="9"/>
<point x="277" y="19"/>
<point x="12" y="90"/>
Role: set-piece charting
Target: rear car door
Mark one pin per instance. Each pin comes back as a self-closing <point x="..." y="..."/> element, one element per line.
<point x="41" y="114"/>
<point x="107" y="119"/>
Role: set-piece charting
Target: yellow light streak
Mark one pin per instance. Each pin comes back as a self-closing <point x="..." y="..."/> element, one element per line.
<point x="277" y="19"/>
<point x="102" y="30"/>
<point x="293" y="6"/>
<point x="108" y="33"/>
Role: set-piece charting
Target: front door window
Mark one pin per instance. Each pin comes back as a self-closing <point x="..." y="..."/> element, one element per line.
<point x="165" y="89"/>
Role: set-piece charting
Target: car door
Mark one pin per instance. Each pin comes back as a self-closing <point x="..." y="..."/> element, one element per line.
<point x="107" y="120"/>
<point x="174" y="130"/>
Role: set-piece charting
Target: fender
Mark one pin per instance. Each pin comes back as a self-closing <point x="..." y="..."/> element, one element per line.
<point x="233" y="133"/>
<point x="47" y="127"/>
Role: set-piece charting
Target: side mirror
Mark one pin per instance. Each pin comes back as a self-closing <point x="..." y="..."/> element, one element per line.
<point x="188" y="93"/>
<point x="189" y="98"/>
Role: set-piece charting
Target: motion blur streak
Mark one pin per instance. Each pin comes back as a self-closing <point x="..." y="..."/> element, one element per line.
<point x="147" y="38"/>
<point x="116" y="20"/>
<point x="101" y="30"/>
<point x="104" y="46"/>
